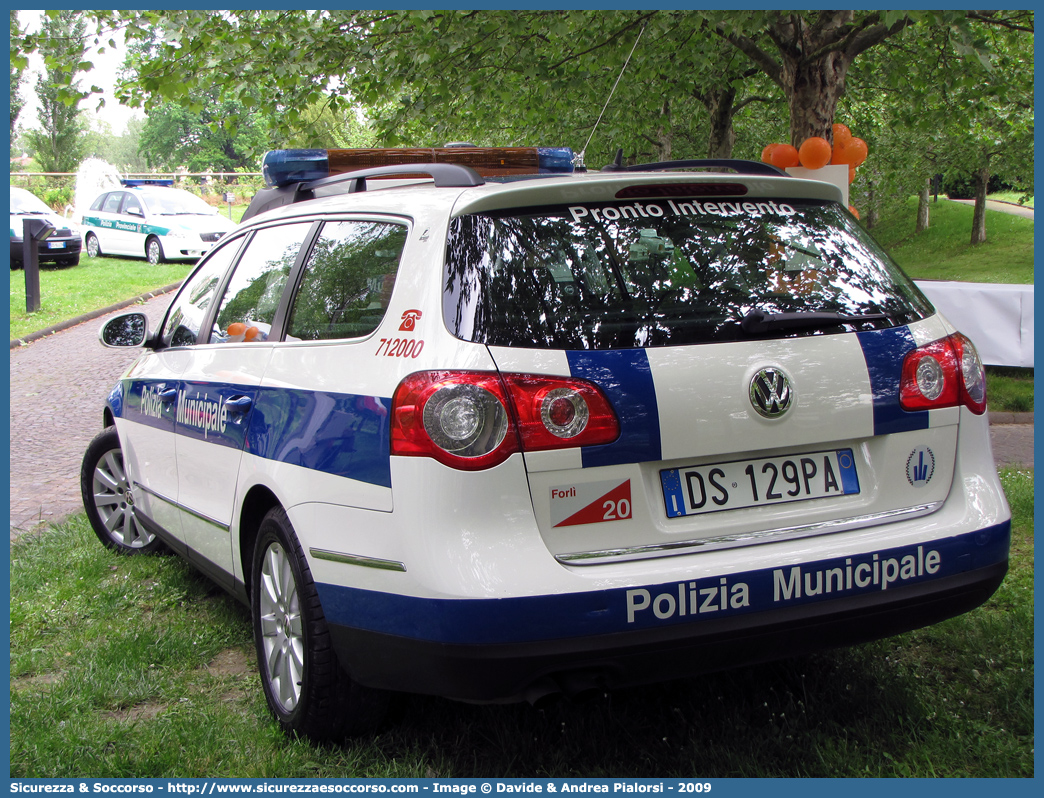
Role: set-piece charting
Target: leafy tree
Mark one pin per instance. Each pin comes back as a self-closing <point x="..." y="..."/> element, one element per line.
<point x="924" y="108"/>
<point x="16" y="77"/>
<point x="58" y="145"/>
<point x="321" y="126"/>
<point x="426" y="77"/>
<point x="553" y="78"/>
<point x="808" y="55"/>
<point x="174" y="136"/>
<point x="120" y="151"/>
<point x="988" y="119"/>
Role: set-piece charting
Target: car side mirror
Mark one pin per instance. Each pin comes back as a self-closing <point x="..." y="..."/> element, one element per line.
<point x="135" y="212"/>
<point x="127" y="329"/>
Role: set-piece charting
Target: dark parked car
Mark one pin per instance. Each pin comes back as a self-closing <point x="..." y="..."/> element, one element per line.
<point x="62" y="247"/>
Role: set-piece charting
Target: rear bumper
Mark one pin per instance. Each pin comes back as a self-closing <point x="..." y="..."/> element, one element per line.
<point x="445" y="653"/>
<point x="70" y="248"/>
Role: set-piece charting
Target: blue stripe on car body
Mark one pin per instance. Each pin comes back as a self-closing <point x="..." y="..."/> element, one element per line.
<point x="343" y="434"/>
<point x="625" y="377"/>
<point x="884" y="351"/>
<point x="346" y="435"/>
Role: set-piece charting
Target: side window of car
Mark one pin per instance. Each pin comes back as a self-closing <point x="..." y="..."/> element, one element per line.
<point x="112" y="202"/>
<point x="190" y="306"/>
<point x="348" y="280"/>
<point x="97" y="206"/>
<point x="249" y="305"/>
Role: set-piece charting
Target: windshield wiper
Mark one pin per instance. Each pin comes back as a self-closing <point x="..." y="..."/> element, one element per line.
<point x="758" y="321"/>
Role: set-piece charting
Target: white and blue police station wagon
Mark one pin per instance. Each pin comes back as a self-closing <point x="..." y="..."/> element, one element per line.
<point x="501" y="428"/>
<point x="151" y="219"/>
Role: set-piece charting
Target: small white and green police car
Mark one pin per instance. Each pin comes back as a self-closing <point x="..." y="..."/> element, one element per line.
<point x="477" y="424"/>
<point x="151" y="219"/>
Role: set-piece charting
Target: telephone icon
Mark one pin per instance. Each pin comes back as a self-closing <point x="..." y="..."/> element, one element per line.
<point x="409" y="320"/>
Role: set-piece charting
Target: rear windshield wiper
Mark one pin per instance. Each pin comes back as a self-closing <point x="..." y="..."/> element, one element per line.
<point x="758" y="321"/>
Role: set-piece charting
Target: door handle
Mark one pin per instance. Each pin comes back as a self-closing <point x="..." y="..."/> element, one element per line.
<point x="238" y="404"/>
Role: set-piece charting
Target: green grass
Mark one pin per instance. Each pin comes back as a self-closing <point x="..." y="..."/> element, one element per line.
<point x="1009" y="390"/>
<point x="67" y="292"/>
<point x="943" y="251"/>
<point x="1012" y="196"/>
<point x="139" y="667"/>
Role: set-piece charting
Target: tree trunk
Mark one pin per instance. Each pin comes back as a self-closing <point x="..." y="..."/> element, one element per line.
<point x="982" y="179"/>
<point x="720" y="105"/>
<point x="815" y="51"/>
<point x="663" y="133"/>
<point x="813" y="89"/>
<point x="873" y="205"/>
<point x="922" y="207"/>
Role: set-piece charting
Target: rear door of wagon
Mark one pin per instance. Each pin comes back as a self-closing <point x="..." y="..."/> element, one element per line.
<point x="751" y="350"/>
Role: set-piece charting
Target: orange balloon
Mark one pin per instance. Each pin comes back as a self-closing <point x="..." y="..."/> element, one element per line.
<point x="236" y="328"/>
<point x="766" y="154"/>
<point x="855" y="213"/>
<point x="837" y="154"/>
<point x="842" y="135"/>
<point x="855" y="152"/>
<point x="851" y="173"/>
<point x="251" y="333"/>
<point x="784" y="156"/>
<point x="814" y="152"/>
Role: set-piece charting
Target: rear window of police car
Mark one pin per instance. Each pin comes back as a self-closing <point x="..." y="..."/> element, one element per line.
<point x="626" y="275"/>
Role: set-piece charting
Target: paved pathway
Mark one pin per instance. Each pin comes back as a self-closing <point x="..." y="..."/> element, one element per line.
<point x="1004" y="207"/>
<point x="58" y="389"/>
<point x="1012" y="444"/>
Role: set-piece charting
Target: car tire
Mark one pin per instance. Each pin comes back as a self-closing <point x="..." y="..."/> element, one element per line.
<point x="154" y="251"/>
<point x="304" y="684"/>
<point x="107" y="498"/>
<point x="93" y="246"/>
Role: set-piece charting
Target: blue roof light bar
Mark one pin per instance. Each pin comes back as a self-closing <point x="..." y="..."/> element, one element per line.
<point x="146" y="182"/>
<point x="285" y="167"/>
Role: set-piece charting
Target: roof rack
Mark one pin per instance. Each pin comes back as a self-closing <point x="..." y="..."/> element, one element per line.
<point x="742" y="166"/>
<point x="445" y="175"/>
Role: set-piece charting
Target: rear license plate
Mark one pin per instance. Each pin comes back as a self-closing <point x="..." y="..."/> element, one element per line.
<point x="56" y="245"/>
<point x="751" y="483"/>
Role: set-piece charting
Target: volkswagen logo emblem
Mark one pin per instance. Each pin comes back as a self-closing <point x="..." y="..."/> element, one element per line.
<point x="770" y="392"/>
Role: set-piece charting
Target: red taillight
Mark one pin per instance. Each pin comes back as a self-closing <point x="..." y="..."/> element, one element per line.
<point x="560" y="412"/>
<point x="459" y="418"/>
<point x="473" y="420"/>
<point x="944" y="373"/>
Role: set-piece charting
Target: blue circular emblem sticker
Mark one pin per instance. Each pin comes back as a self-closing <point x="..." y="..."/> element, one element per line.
<point x="920" y="466"/>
